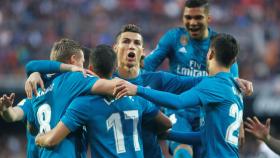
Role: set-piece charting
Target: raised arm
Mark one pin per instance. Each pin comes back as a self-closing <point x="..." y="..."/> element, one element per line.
<point x="10" y="113"/>
<point x="105" y="87"/>
<point x="42" y="66"/>
<point x="261" y="131"/>
<point x="169" y="100"/>
<point x="156" y="57"/>
<point x="50" y="66"/>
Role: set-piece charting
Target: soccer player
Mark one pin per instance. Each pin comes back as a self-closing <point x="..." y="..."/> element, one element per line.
<point x="51" y="104"/>
<point x="261" y="132"/>
<point x="129" y="47"/>
<point x="186" y="48"/>
<point x="114" y="126"/>
<point x="21" y="112"/>
<point x="218" y="94"/>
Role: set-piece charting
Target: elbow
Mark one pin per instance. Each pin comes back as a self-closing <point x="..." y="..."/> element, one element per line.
<point x="169" y="124"/>
<point x="29" y="67"/>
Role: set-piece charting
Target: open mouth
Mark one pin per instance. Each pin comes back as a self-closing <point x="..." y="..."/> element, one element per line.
<point x="194" y="29"/>
<point x="131" y="55"/>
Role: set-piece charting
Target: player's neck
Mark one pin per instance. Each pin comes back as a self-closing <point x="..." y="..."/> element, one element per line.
<point x="216" y="68"/>
<point x="205" y="34"/>
<point x="128" y="73"/>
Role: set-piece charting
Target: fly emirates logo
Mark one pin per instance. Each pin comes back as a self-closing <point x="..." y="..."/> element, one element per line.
<point x="194" y="70"/>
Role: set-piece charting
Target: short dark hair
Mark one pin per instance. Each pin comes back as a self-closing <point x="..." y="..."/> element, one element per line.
<point x="197" y="3"/>
<point x="129" y="28"/>
<point x="64" y="49"/>
<point x="87" y="52"/>
<point x="103" y="59"/>
<point x="226" y="49"/>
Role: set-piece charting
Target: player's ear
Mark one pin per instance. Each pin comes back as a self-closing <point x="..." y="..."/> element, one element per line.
<point x="115" y="47"/>
<point x="73" y="59"/>
<point x="209" y="19"/>
<point x="210" y="54"/>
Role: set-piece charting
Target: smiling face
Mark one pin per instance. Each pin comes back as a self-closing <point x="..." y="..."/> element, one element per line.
<point x="129" y="48"/>
<point x="196" y="22"/>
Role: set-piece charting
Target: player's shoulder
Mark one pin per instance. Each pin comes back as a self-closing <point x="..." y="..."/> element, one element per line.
<point x="24" y="102"/>
<point x="88" y="99"/>
<point x="74" y="77"/>
<point x="209" y="83"/>
<point x="84" y="103"/>
<point x="176" y="31"/>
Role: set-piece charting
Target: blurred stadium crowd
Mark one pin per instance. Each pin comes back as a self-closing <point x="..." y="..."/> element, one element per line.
<point x="28" y="29"/>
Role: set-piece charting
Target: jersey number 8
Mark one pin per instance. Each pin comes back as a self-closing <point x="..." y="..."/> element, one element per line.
<point x="44" y="117"/>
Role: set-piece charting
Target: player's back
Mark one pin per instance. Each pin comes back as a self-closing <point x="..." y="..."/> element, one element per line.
<point x="113" y="126"/>
<point x="50" y="105"/>
<point x="223" y="109"/>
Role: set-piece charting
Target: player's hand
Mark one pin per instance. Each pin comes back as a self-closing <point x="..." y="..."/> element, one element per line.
<point x="245" y="86"/>
<point x="259" y="130"/>
<point x="241" y="138"/>
<point x="38" y="140"/>
<point x="6" y="101"/>
<point x="31" y="84"/>
<point x="124" y="88"/>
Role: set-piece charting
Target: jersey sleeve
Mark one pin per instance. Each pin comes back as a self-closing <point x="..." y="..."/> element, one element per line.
<point x="234" y="70"/>
<point x="76" y="115"/>
<point x="42" y="66"/>
<point x="178" y="84"/>
<point x="26" y="107"/>
<point x="156" y="57"/>
<point x="192" y="138"/>
<point x="170" y="100"/>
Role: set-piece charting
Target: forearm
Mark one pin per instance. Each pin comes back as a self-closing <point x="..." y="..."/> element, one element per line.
<point x="43" y="66"/>
<point x="104" y="87"/>
<point x="168" y="100"/>
<point x="53" y="137"/>
<point x="273" y="144"/>
<point x="12" y="114"/>
<point x="152" y="61"/>
<point x="178" y="84"/>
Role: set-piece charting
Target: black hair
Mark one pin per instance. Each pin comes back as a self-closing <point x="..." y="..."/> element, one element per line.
<point x="103" y="59"/>
<point x="226" y="49"/>
<point x="87" y="52"/>
<point x="129" y="28"/>
<point x="197" y="3"/>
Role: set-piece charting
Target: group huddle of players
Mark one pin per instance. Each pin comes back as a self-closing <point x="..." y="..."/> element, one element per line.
<point x="115" y="106"/>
